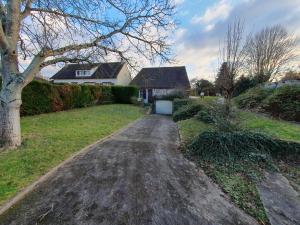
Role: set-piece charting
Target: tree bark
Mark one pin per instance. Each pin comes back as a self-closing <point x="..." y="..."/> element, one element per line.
<point x="10" y="129"/>
<point x="10" y="102"/>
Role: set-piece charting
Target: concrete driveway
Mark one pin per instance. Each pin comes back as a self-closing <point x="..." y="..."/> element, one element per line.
<point x="137" y="177"/>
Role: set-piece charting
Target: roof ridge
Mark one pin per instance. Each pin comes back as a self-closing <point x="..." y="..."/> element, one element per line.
<point x="163" y="67"/>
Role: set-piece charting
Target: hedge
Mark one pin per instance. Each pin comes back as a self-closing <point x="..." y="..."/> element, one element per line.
<point x="123" y="94"/>
<point x="282" y="102"/>
<point x="44" y="97"/>
<point x="253" y="98"/>
<point x="187" y="111"/>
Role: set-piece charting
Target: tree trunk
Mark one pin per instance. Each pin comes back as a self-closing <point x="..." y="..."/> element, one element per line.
<point x="227" y="103"/>
<point x="10" y="128"/>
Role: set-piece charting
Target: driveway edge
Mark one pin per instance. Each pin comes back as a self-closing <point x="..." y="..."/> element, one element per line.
<point x="23" y="193"/>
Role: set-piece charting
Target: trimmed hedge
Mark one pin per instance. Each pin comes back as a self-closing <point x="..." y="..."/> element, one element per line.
<point x="224" y="147"/>
<point x="187" y="111"/>
<point x="44" y="97"/>
<point x="124" y="94"/>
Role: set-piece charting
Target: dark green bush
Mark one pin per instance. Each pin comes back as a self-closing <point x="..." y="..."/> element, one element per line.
<point x="284" y="103"/>
<point x="253" y="98"/>
<point x="37" y="98"/>
<point x="205" y="116"/>
<point x="178" y="103"/>
<point x="187" y="111"/>
<point x="106" y="94"/>
<point x="243" y="84"/>
<point x="226" y="147"/>
<point x="123" y="94"/>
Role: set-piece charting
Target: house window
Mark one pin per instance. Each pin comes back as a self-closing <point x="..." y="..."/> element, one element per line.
<point x="83" y="73"/>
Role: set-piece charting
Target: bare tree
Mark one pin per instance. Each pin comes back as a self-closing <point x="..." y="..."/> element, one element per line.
<point x="46" y="32"/>
<point x="232" y="59"/>
<point x="267" y="51"/>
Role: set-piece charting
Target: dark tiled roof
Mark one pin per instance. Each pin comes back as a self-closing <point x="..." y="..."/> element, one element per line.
<point x="103" y="71"/>
<point x="162" y="77"/>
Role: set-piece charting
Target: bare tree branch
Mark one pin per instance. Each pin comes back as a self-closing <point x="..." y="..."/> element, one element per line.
<point x="268" y="51"/>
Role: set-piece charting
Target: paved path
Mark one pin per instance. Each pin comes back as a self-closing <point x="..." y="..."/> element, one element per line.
<point x="137" y="177"/>
<point x="281" y="201"/>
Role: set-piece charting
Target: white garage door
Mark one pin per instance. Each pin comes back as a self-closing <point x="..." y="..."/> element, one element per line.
<point x="164" y="107"/>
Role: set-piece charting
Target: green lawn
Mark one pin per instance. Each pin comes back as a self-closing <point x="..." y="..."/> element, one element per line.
<point x="49" y="139"/>
<point x="277" y="128"/>
<point x="191" y="128"/>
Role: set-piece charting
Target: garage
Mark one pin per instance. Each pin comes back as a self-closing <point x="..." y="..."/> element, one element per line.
<point x="163" y="107"/>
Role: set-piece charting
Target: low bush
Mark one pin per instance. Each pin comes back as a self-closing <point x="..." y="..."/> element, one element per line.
<point x="216" y="114"/>
<point x="205" y="116"/>
<point x="284" y="103"/>
<point x="123" y="94"/>
<point x="253" y="98"/>
<point x="178" y="103"/>
<point x="187" y="111"/>
<point x="228" y="147"/>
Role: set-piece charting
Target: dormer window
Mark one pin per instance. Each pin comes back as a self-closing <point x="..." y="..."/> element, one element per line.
<point x="83" y="73"/>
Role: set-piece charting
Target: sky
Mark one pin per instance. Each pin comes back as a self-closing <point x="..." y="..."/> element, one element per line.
<point x="202" y="24"/>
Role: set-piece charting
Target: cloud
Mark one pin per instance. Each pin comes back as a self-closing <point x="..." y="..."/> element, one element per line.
<point x="180" y="33"/>
<point x="218" y="11"/>
<point x="210" y="27"/>
<point x="178" y="2"/>
<point x="198" y="47"/>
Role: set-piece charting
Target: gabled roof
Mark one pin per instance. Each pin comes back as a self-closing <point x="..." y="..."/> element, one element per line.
<point x="162" y="77"/>
<point x="102" y="71"/>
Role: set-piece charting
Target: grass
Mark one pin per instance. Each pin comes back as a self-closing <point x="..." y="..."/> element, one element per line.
<point x="241" y="190"/>
<point x="191" y="128"/>
<point x="49" y="139"/>
<point x="276" y="128"/>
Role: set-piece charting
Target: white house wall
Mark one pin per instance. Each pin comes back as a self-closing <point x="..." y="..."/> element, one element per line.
<point x="124" y="76"/>
<point x="160" y="92"/>
<point x="82" y="81"/>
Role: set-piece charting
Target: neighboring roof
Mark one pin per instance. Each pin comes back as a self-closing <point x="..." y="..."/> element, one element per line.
<point x="103" y="71"/>
<point x="162" y="77"/>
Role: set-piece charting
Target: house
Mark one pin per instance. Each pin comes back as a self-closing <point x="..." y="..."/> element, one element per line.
<point x="281" y="83"/>
<point x="113" y="73"/>
<point x="159" y="81"/>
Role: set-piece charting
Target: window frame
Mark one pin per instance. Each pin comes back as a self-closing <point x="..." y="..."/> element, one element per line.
<point x="83" y="73"/>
